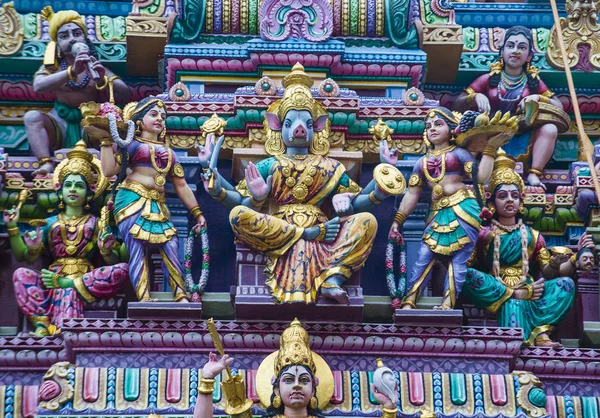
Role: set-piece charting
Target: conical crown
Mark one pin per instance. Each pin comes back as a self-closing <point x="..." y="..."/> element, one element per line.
<point x="504" y="173"/>
<point x="294" y="349"/>
<point x="297" y="95"/>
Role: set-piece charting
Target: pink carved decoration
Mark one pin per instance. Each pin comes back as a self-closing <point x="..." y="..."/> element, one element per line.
<point x="49" y="390"/>
<point x="311" y="20"/>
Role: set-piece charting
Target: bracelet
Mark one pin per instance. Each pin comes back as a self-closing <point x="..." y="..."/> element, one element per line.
<point x="196" y="211"/>
<point x="34" y="251"/>
<point x="70" y="75"/>
<point x="55" y="278"/>
<point x="400" y="218"/>
<point x="14" y="231"/>
<point x="573" y="260"/>
<point x="207" y="386"/>
<point x="389" y="413"/>
<point x="470" y="99"/>
<point x="45" y="160"/>
<point x="102" y="87"/>
<point x="554" y="264"/>
<point x="374" y="198"/>
<point x="221" y="196"/>
<point x="544" y="99"/>
<point x="322" y="232"/>
<point x="106" y="142"/>
<point x="536" y="172"/>
<point x="256" y="203"/>
<point x="490" y="150"/>
<point x="529" y="291"/>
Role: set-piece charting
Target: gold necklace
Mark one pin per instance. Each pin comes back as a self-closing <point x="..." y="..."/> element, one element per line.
<point x="150" y="141"/>
<point x="160" y="179"/>
<point x="438" y="190"/>
<point x="306" y="176"/>
<point x="71" y="245"/>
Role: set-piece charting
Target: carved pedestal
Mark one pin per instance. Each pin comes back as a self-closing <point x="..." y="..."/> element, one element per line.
<point x="252" y="300"/>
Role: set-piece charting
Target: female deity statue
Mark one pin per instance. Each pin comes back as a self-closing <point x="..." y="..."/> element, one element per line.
<point x="510" y="85"/>
<point x="453" y="223"/>
<point x="307" y="251"/>
<point x="143" y="162"/>
<point x="513" y="275"/>
<point x="291" y="382"/>
<point x="71" y="239"/>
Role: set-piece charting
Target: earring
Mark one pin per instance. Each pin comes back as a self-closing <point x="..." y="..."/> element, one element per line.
<point x="276" y="402"/>
<point x="163" y="134"/>
<point x="313" y="402"/>
<point x="59" y="54"/>
<point x="521" y="209"/>
<point x="87" y="205"/>
<point x="61" y="204"/>
<point x="138" y="130"/>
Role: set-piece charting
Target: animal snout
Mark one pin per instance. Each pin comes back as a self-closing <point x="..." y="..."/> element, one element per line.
<point x="299" y="131"/>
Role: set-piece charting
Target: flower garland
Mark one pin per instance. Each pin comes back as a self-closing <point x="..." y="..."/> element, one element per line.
<point x="194" y="289"/>
<point x="114" y="131"/>
<point x="398" y="291"/>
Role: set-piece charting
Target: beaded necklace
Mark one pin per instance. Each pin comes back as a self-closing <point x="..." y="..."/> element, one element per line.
<point x="438" y="190"/>
<point x="160" y="179"/>
<point x="511" y="84"/>
<point x="83" y="83"/>
<point x="71" y="245"/>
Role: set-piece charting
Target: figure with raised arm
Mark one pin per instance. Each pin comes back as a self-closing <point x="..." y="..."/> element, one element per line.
<point x="143" y="161"/>
<point x="72" y="71"/>
<point x="513" y="274"/>
<point x="513" y="85"/>
<point x="308" y="252"/>
<point x="73" y="238"/>
<point x="453" y="223"/>
<point x="293" y="382"/>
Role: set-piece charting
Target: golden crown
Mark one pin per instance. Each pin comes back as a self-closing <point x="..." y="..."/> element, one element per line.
<point x="504" y="173"/>
<point x="80" y="161"/>
<point x="294" y="349"/>
<point x="297" y="95"/>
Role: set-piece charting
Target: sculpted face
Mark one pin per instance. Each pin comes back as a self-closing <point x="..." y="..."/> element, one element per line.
<point x="438" y="131"/>
<point x="296" y="387"/>
<point x="154" y="120"/>
<point x="74" y="190"/>
<point x="68" y="35"/>
<point x="586" y="261"/>
<point x="516" y="51"/>
<point x="507" y="200"/>
<point x="298" y="127"/>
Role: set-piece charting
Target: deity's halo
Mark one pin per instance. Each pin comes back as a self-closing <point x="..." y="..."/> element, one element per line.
<point x="264" y="387"/>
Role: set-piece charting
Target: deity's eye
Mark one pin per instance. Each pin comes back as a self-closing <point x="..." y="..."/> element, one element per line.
<point x="78" y="33"/>
<point x="502" y="195"/>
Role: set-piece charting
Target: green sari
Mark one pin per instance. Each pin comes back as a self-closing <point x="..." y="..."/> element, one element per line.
<point x="486" y="291"/>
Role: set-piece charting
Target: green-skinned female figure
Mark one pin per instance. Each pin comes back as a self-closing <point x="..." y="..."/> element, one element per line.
<point x="73" y="238"/>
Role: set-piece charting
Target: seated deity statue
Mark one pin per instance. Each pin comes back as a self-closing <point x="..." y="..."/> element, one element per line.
<point x="72" y="238"/>
<point x="307" y="251"/>
<point x="513" y="85"/>
<point x="73" y="72"/>
<point x="453" y="222"/>
<point x="512" y="274"/>
<point x="291" y="382"/>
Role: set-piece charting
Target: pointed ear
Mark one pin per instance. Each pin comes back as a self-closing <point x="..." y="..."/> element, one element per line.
<point x="273" y="121"/>
<point x="320" y="122"/>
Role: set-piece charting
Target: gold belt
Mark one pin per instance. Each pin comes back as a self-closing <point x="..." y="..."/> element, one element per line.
<point x="511" y="276"/>
<point x="71" y="266"/>
<point x="452" y="200"/>
<point x="301" y="214"/>
<point x="143" y="191"/>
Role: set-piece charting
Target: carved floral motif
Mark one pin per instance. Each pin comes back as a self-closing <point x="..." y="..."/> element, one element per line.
<point x="311" y="20"/>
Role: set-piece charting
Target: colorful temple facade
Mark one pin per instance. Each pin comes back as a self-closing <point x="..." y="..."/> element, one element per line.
<point x="365" y="82"/>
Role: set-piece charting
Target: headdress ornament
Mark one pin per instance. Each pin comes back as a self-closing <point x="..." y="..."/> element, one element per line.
<point x="453" y="117"/>
<point x="297" y="94"/>
<point x="504" y="173"/>
<point x="294" y="351"/>
<point x="80" y="161"/>
<point x="131" y="109"/>
<point x="56" y="20"/>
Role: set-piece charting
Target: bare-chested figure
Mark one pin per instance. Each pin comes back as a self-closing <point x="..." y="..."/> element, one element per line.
<point x="68" y="75"/>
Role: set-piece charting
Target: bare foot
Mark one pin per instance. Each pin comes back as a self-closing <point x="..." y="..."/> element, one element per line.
<point x="543" y="340"/>
<point x="534" y="180"/>
<point x="44" y="170"/>
<point x="442" y="308"/>
<point x="407" y="306"/>
<point x="336" y="293"/>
